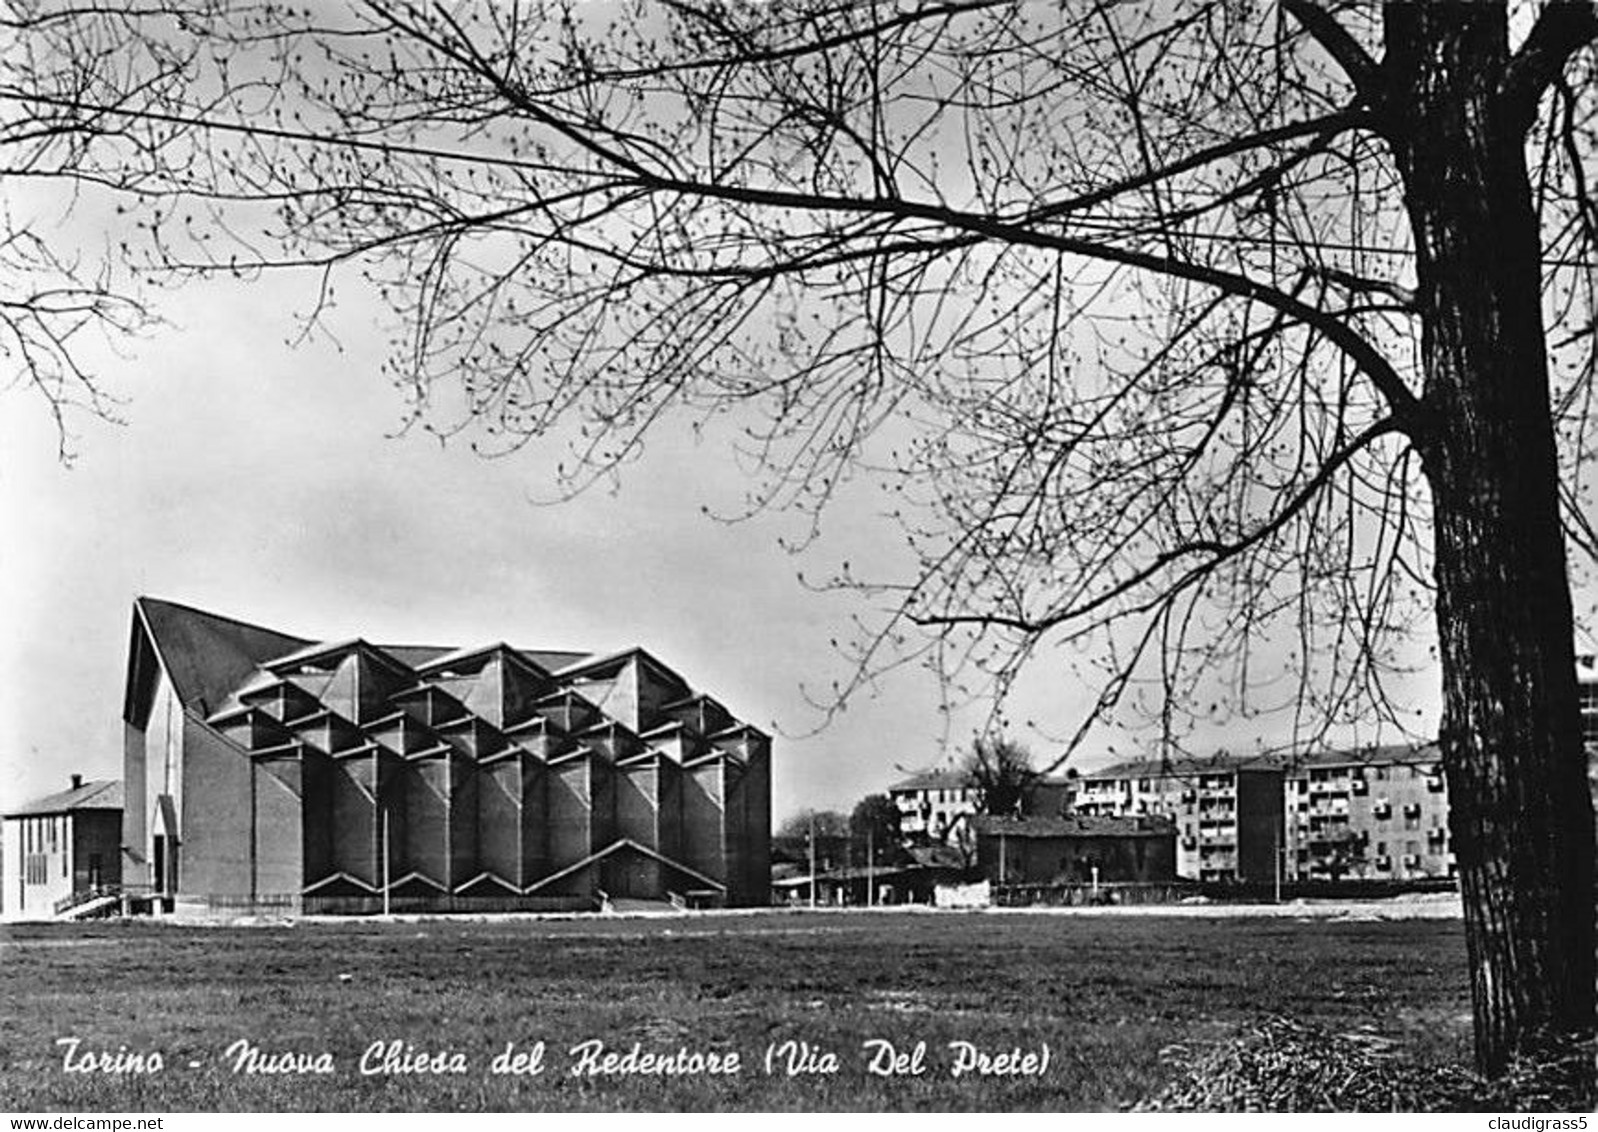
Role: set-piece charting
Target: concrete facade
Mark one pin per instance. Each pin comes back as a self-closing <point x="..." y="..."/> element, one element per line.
<point x="1228" y="816"/>
<point x="1372" y="814"/>
<point x="934" y="805"/>
<point x="268" y="770"/>
<point x="1378" y="814"/>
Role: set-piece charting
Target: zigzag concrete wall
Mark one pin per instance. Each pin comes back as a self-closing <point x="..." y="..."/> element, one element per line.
<point x="478" y="776"/>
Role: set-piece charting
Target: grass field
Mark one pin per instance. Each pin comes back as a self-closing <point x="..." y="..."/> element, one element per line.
<point x="1106" y="994"/>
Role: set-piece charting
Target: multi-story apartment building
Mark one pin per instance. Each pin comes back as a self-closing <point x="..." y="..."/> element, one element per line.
<point x="1587" y="689"/>
<point x="1376" y="814"/>
<point x="1228" y="812"/>
<point x="934" y="805"/>
<point x="937" y="805"/>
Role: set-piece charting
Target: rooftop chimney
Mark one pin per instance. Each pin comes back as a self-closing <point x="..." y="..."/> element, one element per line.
<point x="77" y="781"/>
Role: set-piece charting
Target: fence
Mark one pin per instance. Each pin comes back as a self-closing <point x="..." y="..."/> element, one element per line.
<point x="1068" y="895"/>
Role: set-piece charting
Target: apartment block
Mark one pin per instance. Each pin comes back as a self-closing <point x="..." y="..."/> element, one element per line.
<point x="1227" y="813"/>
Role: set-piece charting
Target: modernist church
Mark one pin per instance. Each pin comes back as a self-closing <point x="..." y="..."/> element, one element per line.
<point x="265" y="770"/>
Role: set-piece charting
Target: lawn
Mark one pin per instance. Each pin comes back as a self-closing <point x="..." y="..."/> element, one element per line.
<point x="1105" y="994"/>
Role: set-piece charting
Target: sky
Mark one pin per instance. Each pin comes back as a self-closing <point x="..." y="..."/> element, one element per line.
<point x="263" y="480"/>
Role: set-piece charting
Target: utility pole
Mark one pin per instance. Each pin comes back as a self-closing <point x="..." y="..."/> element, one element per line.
<point x="871" y="872"/>
<point x="1281" y="850"/>
<point x="385" y="862"/>
<point x="812" y="859"/>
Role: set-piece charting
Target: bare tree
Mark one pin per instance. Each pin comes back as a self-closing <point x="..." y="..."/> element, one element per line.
<point x="831" y="824"/>
<point x="1002" y="771"/>
<point x="1172" y="326"/>
<point x="49" y="299"/>
<point x="874" y="828"/>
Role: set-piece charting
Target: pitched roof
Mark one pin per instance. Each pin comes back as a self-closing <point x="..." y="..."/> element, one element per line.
<point x="937" y="856"/>
<point x="105" y="794"/>
<point x="948" y="778"/>
<point x="1394" y="754"/>
<point x="1219" y="763"/>
<point x="207" y="655"/>
<point x="217" y="664"/>
<point x="1075" y="825"/>
<point x="1222" y="762"/>
<point x="937" y="779"/>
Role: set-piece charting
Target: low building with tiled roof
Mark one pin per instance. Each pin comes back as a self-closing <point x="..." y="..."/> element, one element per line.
<point x="60" y="848"/>
<point x="1076" y="849"/>
<point x="1228" y="811"/>
<point x="265" y="769"/>
<point x="935" y="805"/>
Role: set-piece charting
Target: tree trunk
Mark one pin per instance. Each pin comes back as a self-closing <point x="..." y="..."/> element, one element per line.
<point x="1521" y="818"/>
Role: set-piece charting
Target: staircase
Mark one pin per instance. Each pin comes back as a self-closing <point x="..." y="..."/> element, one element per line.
<point x="632" y="905"/>
<point x="88" y="905"/>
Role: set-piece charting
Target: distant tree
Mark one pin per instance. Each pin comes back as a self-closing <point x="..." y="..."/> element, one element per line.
<point x="817" y="823"/>
<point x="875" y="822"/>
<point x="1345" y="855"/>
<point x="1002" y="771"/>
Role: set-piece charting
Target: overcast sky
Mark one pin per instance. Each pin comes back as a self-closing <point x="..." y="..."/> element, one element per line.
<point x="260" y="480"/>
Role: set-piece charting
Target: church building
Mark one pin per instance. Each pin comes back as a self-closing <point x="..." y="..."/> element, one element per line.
<point x="268" y="771"/>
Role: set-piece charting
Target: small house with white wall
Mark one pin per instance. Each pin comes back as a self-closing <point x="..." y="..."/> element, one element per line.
<point x="61" y="849"/>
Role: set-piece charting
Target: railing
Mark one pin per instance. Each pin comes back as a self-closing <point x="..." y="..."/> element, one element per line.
<point x="95" y="892"/>
<point x="1080" y="893"/>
